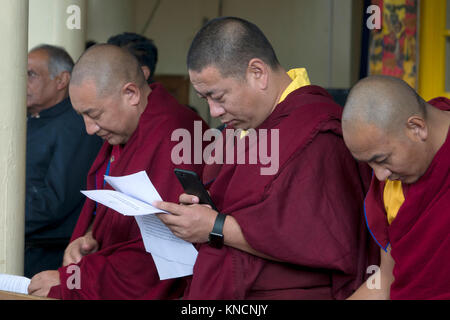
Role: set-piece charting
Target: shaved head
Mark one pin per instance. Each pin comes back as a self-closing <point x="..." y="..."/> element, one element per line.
<point x="109" y="67"/>
<point x="383" y="101"/>
<point x="108" y="88"/>
<point x="386" y="124"/>
<point x="229" y="43"/>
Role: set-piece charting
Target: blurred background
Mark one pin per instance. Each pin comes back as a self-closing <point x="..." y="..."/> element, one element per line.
<point x="330" y="38"/>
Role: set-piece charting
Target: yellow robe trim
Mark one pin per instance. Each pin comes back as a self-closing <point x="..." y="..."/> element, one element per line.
<point x="299" y="78"/>
<point x="393" y="198"/>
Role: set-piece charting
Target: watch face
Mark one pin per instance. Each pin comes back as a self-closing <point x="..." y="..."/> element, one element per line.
<point x="216" y="240"/>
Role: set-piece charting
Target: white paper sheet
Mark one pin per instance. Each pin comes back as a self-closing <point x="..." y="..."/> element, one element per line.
<point x="14" y="283"/>
<point x="137" y="185"/>
<point x="173" y="256"/>
<point x="120" y="202"/>
<point x="166" y="269"/>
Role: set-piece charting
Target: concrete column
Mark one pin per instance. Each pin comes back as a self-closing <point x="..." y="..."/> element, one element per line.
<point x="13" y="67"/>
<point x="58" y="22"/>
<point x="69" y="26"/>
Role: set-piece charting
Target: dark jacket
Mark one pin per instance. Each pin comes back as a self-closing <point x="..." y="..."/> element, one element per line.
<point x="59" y="155"/>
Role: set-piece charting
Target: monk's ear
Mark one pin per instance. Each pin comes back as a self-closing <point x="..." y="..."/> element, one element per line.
<point x="131" y="93"/>
<point x="258" y="73"/>
<point x="146" y="71"/>
<point x="417" y="129"/>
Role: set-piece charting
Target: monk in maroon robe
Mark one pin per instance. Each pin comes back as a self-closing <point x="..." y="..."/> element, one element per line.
<point x="298" y="231"/>
<point x="137" y="122"/>
<point x="407" y="143"/>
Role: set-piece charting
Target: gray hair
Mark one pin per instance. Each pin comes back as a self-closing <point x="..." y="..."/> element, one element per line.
<point x="59" y="60"/>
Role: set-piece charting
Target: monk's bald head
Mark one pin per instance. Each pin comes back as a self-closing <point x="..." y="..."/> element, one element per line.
<point x="383" y="101"/>
<point x="109" y="67"/>
<point x="386" y="124"/>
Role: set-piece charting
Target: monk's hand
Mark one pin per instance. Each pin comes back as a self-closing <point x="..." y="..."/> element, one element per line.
<point x="42" y="282"/>
<point x="192" y="223"/>
<point x="188" y="199"/>
<point x="79" y="248"/>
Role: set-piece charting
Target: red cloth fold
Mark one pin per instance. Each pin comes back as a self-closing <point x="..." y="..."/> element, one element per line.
<point x="122" y="269"/>
<point x="309" y="214"/>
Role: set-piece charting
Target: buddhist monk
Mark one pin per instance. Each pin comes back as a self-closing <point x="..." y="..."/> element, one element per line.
<point x="406" y="142"/>
<point x="109" y="90"/>
<point x="296" y="232"/>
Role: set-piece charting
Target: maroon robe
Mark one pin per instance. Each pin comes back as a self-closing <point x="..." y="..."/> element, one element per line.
<point x="420" y="234"/>
<point x="309" y="214"/>
<point x="121" y="268"/>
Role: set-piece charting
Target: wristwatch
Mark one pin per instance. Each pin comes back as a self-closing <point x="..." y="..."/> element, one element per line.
<point x="216" y="235"/>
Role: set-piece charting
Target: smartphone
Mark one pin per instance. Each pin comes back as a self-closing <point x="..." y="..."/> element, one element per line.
<point x="193" y="185"/>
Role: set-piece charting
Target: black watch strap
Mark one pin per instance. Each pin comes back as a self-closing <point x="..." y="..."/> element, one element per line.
<point x="216" y="236"/>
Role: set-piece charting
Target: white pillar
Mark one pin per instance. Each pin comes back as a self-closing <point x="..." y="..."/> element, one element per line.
<point x="70" y="26"/>
<point x="13" y="78"/>
<point x="59" y="22"/>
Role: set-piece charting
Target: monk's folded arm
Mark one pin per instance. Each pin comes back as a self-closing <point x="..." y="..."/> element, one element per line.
<point x="234" y="237"/>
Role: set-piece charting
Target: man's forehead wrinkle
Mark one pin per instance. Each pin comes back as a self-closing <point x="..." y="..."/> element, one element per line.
<point x="375" y="157"/>
<point x="89" y="110"/>
<point x="365" y="140"/>
<point x="204" y="89"/>
<point x="210" y="93"/>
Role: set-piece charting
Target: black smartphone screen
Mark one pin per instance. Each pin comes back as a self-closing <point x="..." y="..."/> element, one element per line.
<point x="193" y="185"/>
